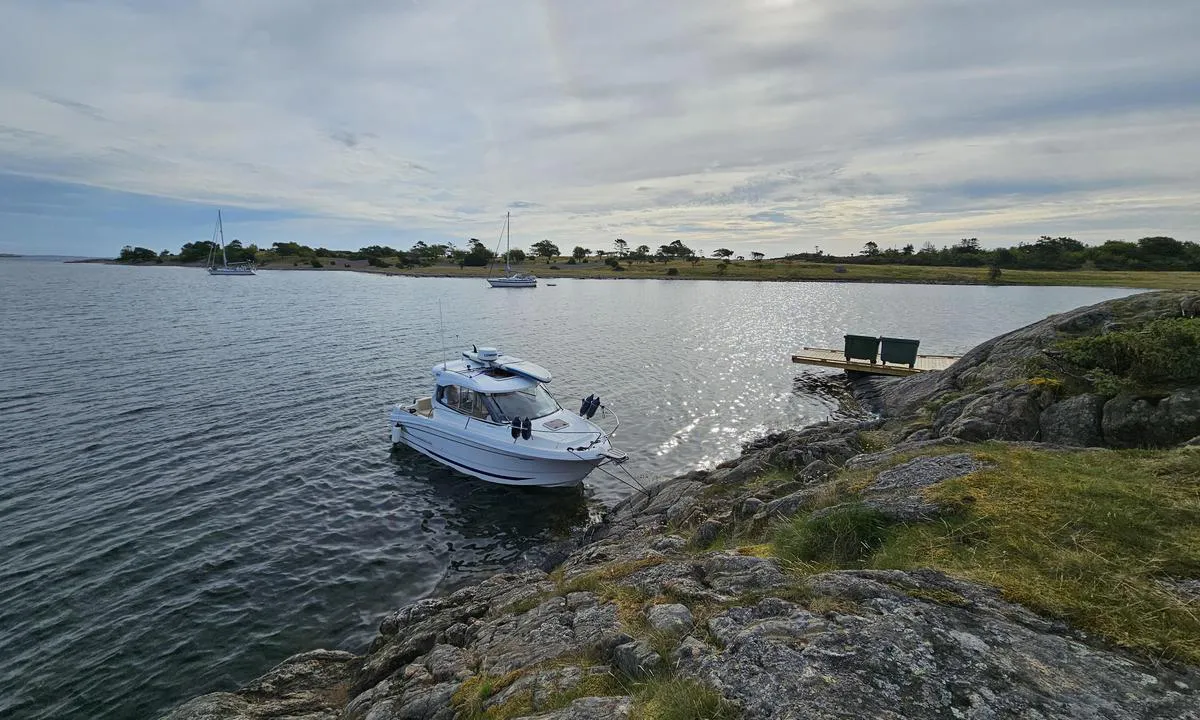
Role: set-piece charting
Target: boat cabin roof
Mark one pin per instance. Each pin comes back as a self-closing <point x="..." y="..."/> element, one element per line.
<point x="502" y="375"/>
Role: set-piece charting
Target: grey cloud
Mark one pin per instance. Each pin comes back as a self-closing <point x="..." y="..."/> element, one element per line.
<point x="723" y="117"/>
<point x="344" y="137"/>
<point x="82" y="108"/>
<point x="771" y="216"/>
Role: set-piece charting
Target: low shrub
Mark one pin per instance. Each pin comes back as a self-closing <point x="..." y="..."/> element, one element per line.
<point x="1161" y="353"/>
<point x="672" y="271"/>
<point x="315" y="263"/>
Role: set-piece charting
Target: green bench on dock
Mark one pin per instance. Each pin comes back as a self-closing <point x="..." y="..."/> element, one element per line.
<point x="861" y="347"/>
<point x="898" y="351"/>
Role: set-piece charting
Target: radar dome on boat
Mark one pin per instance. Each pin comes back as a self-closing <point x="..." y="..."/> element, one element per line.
<point x="488" y="354"/>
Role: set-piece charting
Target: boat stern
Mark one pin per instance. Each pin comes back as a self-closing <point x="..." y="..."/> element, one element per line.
<point x="403" y="414"/>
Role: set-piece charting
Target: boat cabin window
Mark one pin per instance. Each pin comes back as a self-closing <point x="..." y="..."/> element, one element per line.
<point x="531" y="402"/>
<point x="467" y="402"/>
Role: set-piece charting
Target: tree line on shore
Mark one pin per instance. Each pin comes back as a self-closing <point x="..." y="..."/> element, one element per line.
<point x="1046" y="253"/>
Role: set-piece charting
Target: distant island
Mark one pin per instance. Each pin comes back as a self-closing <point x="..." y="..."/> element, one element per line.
<point x="1150" y="262"/>
<point x="8" y="255"/>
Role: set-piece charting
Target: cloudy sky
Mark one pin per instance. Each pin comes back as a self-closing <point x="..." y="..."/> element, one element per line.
<point x="759" y="125"/>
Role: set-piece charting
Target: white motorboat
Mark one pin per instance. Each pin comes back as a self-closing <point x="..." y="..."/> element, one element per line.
<point x="510" y="278"/>
<point x="491" y="417"/>
<point x="226" y="267"/>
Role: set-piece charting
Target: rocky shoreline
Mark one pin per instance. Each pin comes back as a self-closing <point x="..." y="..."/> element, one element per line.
<point x="676" y="606"/>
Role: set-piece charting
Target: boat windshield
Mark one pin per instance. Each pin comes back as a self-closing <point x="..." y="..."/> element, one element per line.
<point x="532" y="402"/>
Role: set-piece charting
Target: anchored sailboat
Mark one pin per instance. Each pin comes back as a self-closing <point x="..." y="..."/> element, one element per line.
<point x="510" y="278"/>
<point x="226" y="267"/>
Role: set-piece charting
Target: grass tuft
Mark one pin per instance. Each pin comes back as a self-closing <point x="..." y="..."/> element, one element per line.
<point x="523" y="606"/>
<point x="679" y="699"/>
<point x="843" y="535"/>
<point x="595" y="580"/>
<point x="471" y="696"/>
<point x="876" y="440"/>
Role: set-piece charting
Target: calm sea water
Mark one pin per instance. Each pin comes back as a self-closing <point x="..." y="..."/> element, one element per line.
<point x="195" y="477"/>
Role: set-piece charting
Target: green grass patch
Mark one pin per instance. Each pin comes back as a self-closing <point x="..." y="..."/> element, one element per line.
<point x="597" y="685"/>
<point x="679" y="699"/>
<point x="767" y="480"/>
<point x="470" y="697"/>
<point x="944" y="597"/>
<point x="595" y="580"/>
<point x="524" y="606"/>
<point x="873" y="441"/>
<point x="1081" y="536"/>
<point x="843" y="535"/>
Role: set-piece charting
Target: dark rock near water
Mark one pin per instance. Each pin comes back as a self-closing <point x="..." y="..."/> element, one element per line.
<point x="707" y="533"/>
<point x="788" y="504"/>
<point x="998" y="412"/>
<point x="750" y="506"/>
<point x="310" y="685"/>
<point x="1130" y="421"/>
<point x="733" y="574"/>
<point x="817" y="471"/>
<point x="542" y="685"/>
<point x="886" y="456"/>
<point x="589" y="708"/>
<point x="1074" y="421"/>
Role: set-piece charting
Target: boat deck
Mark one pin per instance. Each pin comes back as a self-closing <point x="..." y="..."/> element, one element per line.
<point x="826" y="357"/>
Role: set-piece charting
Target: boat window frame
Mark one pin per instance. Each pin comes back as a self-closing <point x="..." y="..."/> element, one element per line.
<point x="488" y="406"/>
<point x="442" y="391"/>
<point x="500" y="413"/>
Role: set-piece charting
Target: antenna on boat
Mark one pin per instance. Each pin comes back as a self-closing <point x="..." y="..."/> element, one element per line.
<point x="442" y="331"/>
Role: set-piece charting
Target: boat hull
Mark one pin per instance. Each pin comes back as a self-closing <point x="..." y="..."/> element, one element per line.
<point x="492" y="464"/>
<point x="512" y="282"/>
<point x="230" y="271"/>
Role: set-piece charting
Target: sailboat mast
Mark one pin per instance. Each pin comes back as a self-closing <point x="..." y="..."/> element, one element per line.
<point x="507" y="240"/>
<point x="221" y="229"/>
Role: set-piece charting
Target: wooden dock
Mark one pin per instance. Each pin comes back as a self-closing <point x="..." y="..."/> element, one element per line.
<point x="836" y="359"/>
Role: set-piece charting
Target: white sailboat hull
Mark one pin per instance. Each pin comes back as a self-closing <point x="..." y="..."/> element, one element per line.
<point x="230" y="271"/>
<point x="514" y="282"/>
